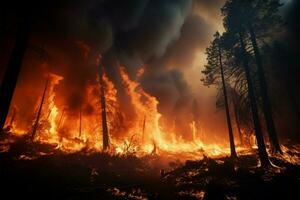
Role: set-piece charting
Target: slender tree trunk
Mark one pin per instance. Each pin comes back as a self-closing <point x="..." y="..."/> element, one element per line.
<point x="263" y="155"/>
<point x="228" y="119"/>
<point x="237" y="121"/>
<point x="264" y="94"/>
<point x="37" y="120"/>
<point x="144" y="128"/>
<point x="103" y="111"/>
<point x="80" y="113"/>
<point x="11" y="75"/>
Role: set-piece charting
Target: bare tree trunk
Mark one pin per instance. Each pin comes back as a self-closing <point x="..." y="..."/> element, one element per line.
<point x="80" y="122"/>
<point x="264" y="94"/>
<point x="37" y="120"/>
<point x="263" y="155"/>
<point x="11" y="75"/>
<point x="228" y="119"/>
<point x="144" y="127"/>
<point x="103" y="110"/>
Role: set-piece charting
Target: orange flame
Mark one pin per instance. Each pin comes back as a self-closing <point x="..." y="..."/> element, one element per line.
<point x="140" y="134"/>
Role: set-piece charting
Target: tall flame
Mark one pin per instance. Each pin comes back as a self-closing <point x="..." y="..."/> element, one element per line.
<point x="140" y="134"/>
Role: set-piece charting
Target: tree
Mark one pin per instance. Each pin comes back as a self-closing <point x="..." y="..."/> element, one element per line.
<point x="214" y="71"/>
<point x="103" y="109"/>
<point x="11" y="75"/>
<point x="235" y="15"/>
<point x="257" y="126"/>
<point x="251" y="16"/>
<point x="39" y="112"/>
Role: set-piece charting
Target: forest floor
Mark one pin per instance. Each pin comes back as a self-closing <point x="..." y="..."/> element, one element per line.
<point x="35" y="171"/>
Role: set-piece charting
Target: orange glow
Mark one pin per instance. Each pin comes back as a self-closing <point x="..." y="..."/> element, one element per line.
<point x="142" y="133"/>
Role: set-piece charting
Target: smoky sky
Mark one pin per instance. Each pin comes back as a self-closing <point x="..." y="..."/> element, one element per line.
<point x="163" y="36"/>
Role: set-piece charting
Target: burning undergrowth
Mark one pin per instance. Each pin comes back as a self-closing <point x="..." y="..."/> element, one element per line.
<point x="101" y="122"/>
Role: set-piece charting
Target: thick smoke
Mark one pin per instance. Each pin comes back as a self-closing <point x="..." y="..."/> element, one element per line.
<point x="161" y="35"/>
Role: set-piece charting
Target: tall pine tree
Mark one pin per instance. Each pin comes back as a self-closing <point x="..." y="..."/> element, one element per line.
<point x="214" y="72"/>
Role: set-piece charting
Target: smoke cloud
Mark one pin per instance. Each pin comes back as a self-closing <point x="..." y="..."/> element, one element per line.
<point x="163" y="36"/>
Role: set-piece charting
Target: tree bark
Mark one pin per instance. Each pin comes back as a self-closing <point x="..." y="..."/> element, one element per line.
<point x="11" y="75"/>
<point x="228" y="119"/>
<point x="263" y="155"/>
<point x="264" y="94"/>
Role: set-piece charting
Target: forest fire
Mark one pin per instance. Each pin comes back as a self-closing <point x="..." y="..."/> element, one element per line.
<point x="143" y="134"/>
<point x="150" y="99"/>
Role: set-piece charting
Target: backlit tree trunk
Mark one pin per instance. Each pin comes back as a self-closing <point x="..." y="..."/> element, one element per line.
<point x="228" y="119"/>
<point x="11" y="75"/>
<point x="103" y="111"/>
<point x="264" y="94"/>
<point x="263" y="155"/>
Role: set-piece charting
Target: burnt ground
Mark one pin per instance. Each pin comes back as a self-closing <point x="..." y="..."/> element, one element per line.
<point x="54" y="175"/>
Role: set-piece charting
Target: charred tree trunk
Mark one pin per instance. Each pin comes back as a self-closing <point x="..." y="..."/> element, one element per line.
<point x="80" y="122"/>
<point x="144" y="127"/>
<point x="228" y="119"/>
<point x="11" y="75"/>
<point x="264" y="94"/>
<point x="263" y="155"/>
<point x="103" y="111"/>
<point x="37" y="120"/>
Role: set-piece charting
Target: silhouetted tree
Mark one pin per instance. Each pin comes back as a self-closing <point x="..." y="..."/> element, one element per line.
<point x="233" y="23"/>
<point x="256" y="16"/>
<point x="214" y="70"/>
<point x="103" y="109"/>
<point x="11" y="75"/>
